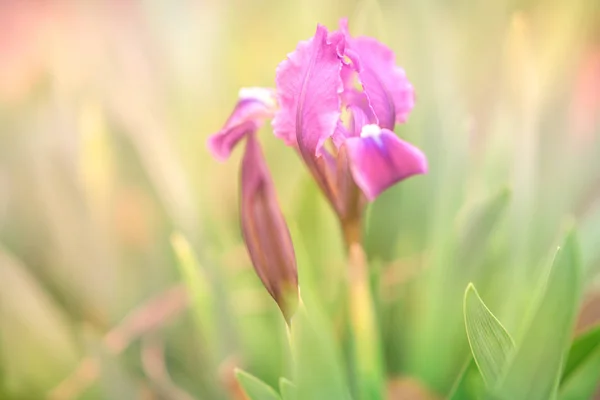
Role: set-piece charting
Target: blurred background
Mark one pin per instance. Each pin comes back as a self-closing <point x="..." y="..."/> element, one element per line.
<point x="105" y="108"/>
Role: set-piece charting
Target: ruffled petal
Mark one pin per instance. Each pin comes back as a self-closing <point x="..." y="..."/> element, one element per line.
<point x="308" y="86"/>
<point x="379" y="159"/>
<point x="255" y="105"/>
<point x="389" y="92"/>
<point x="265" y="231"/>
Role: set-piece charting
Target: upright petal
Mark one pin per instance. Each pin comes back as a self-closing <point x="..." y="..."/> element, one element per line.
<point x="254" y="106"/>
<point x="379" y="159"/>
<point x="361" y="115"/>
<point x="308" y="84"/>
<point x="340" y="134"/>
<point x="390" y="93"/>
<point x="265" y="231"/>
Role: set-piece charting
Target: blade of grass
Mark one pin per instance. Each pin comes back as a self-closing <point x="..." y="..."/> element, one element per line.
<point x="534" y="371"/>
<point x="317" y="365"/>
<point x="581" y="348"/>
<point x="288" y="389"/>
<point x="581" y="376"/>
<point x="469" y="385"/>
<point x="254" y="388"/>
<point x="198" y="287"/>
<point x="491" y="345"/>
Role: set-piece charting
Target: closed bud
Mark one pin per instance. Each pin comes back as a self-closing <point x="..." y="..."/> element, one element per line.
<point x="265" y="231"/>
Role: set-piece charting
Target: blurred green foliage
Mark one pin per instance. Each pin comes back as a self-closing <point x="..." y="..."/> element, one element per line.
<point x="105" y="108"/>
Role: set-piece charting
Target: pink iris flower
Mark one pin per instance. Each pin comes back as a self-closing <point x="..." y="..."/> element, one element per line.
<point x="344" y="88"/>
<point x="337" y="100"/>
<point x="348" y="89"/>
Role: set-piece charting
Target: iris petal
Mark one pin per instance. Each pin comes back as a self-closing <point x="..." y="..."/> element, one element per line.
<point x="308" y="83"/>
<point x="379" y="159"/>
<point x="255" y="105"/>
<point x="265" y="231"/>
<point x="389" y="92"/>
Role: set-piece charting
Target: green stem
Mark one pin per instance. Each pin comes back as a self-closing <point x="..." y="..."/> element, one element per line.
<point x="366" y="340"/>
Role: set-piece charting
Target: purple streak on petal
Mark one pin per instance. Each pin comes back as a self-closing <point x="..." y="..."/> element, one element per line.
<point x="265" y="231"/>
<point x="379" y="159"/>
<point x="308" y="83"/>
<point x="255" y="105"/>
<point x="390" y="93"/>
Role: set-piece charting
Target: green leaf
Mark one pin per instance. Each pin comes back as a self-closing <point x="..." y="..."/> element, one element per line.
<point x="491" y="345"/>
<point x="469" y="385"/>
<point x="534" y="371"/>
<point x="32" y="360"/>
<point x="197" y="285"/>
<point x="581" y="348"/>
<point x="288" y="389"/>
<point x="471" y="247"/>
<point x="254" y="388"/>
<point x="115" y="381"/>
<point x="317" y="363"/>
<point x="590" y="241"/>
<point x="582" y="370"/>
<point x="203" y="306"/>
<point x="318" y="229"/>
<point x="475" y="232"/>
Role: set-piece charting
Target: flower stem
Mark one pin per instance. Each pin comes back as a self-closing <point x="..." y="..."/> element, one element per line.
<point x="363" y="322"/>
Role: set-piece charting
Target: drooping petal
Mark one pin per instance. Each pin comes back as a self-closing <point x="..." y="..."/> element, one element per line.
<point x="255" y="105"/>
<point x="265" y="231"/>
<point x="308" y="85"/>
<point x="222" y="143"/>
<point x="390" y="93"/>
<point x="379" y="159"/>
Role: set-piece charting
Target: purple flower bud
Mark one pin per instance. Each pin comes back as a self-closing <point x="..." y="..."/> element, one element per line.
<point x="266" y="234"/>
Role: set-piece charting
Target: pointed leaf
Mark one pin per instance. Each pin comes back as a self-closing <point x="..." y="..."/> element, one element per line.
<point x="469" y="385"/>
<point x="581" y="376"/>
<point x="288" y="389"/>
<point x="534" y="371"/>
<point x="581" y="348"/>
<point x="254" y="388"/>
<point x="490" y="343"/>
<point x="114" y="380"/>
<point x="590" y="241"/>
<point x="197" y="285"/>
<point x="37" y="347"/>
<point x="318" y="369"/>
<point x="482" y="220"/>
